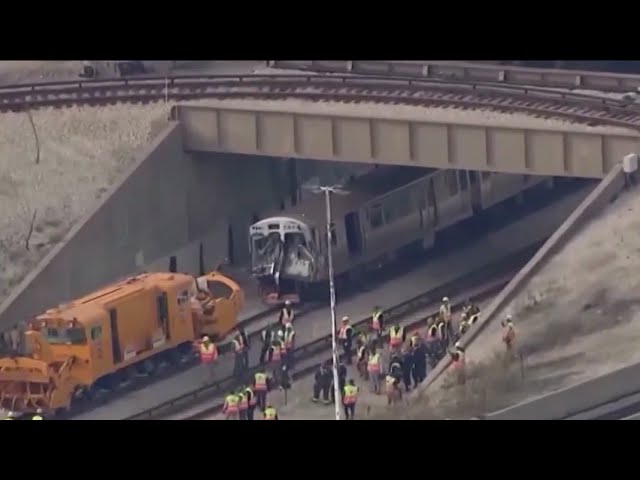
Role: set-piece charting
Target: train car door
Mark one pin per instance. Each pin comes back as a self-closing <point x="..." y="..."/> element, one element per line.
<point x="354" y="233"/>
<point x="115" y="338"/>
<point x="476" y="194"/>
<point x="432" y="204"/>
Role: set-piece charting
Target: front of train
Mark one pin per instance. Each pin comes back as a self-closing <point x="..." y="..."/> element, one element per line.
<point x="283" y="258"/>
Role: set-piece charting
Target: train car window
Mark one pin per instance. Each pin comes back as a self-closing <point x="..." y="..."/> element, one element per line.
<point x="96" y="332"/>
<point x="219" y="289"/>
<point x="462" y="177"/>
<point x="334" y="234"/>
<point x="76" y="336"/>
<point x="451" y="179"/>
<point x="375" y="216"/>
<point x="397" y="205"/>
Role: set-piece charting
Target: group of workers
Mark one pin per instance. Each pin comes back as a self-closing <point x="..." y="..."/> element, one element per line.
<point x="410" y="357"/>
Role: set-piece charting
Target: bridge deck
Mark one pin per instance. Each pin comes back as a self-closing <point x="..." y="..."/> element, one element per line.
<point x="405" y="135"/>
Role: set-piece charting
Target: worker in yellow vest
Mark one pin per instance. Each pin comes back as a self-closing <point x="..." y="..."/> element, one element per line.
<point x="243" y="405"/>
<point x="397" y="336"/>
<point x="373" y="367"/>
<point x="231" y="406"/>
<point x="377" y="321"/>
<point x="270" y="413"/>
<point x="349" y="399"/>
<point x="260" y="387"/>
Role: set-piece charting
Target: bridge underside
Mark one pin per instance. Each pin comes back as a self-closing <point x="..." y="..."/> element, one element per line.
<point x="563" y="149"/>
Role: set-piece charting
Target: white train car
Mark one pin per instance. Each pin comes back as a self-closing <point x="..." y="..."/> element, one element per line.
<point x="384" y="211"/>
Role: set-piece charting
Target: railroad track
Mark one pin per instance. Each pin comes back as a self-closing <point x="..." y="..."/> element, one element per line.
<point x="538" y="102"/>
<point x="307" y="358"/>
<point x="472" y="72"/>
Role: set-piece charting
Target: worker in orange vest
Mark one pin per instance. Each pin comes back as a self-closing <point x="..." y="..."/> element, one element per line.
<point x="345" y="335"/>
<point x="231" y="406"/>
<point x="208" y="355"/>
<point x="459" y="362"/>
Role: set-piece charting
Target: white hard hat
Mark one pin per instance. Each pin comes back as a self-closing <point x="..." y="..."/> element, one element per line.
<point x="10" y="414"/>
<point x="463" y="315"/>
<point x="458" y="345"/>
<point x="508" y="317"/>
<point x="287" y="302"/>
<point x="39" y="411"/>
<point x="345" y="318"/>
<point x="205" y="339"/>
<point x="445" y="299"/>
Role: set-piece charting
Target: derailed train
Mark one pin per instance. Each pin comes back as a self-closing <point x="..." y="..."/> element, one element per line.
<point x="386" y="211"/>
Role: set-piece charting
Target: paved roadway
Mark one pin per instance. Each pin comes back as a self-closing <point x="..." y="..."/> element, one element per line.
<point x="430" y="275"/>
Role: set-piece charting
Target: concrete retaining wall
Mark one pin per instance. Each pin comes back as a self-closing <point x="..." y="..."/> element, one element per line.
<point x="168" y="203"/>
<point x="574" y="399"/>
<point x="603" y="194"/>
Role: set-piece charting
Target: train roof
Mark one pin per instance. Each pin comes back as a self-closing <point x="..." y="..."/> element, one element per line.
<point x="81" y="307"/>
<point x="375" y="183"/>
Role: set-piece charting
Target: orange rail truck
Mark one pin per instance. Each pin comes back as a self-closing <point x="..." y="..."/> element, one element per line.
<point x="115" y="335"/>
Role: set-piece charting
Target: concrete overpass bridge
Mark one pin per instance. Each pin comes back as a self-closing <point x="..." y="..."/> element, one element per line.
<point x="405" y="135"/>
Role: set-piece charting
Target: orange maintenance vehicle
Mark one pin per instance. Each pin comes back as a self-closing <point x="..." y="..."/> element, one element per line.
<point x="115" y="335"/>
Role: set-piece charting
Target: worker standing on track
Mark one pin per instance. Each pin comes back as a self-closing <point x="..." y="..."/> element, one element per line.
<point x="260" y="388"/>
<point x="362" y="357"/>
<point x="445" y="314"/>
<point x="289" y="343"/>
<point x="397" y="337"/>
<point x="458" y="364"/>
<point x="349" y="399"/>
<point x="208" y="355"/>
<point x="243" y="405"/>
<point x="251" y="402"/>
<point x="464" y="325"/>
<point x="275" y="358"/>
<point x="377" y="322"/>
<point x="443" y="336"/>
<point x="323" y="381"/>
<point x="286" y="314"/>
<point x="267" y="337"/>
<point x="345" y="335"/>
<point x="373" y="367"/>
<point x="241" y="352"/>
<point x="231" y="406"/>
<point x="407" y="367"/>
<point x="270" y="413"/>
<point x="419" y="369"/>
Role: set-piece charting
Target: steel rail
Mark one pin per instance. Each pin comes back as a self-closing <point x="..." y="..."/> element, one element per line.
<point x="345" y="88"/>
<point x="473" y="72"/>
<point x="456" y="287"/>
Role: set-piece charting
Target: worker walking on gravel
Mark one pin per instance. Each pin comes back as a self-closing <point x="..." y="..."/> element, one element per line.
<point x="260" y="388"/>
<point x="208" y="355"/>
<point x="286" y="314"/>
<point x="459" y="363"/>
<point x="373" y="367"/>
<point x="349" y="399"/>
<point x="508" y="337"/>
<point x="231" y="407"/>
<point x="345" y="335"/>
<point x="377" y="322"/>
